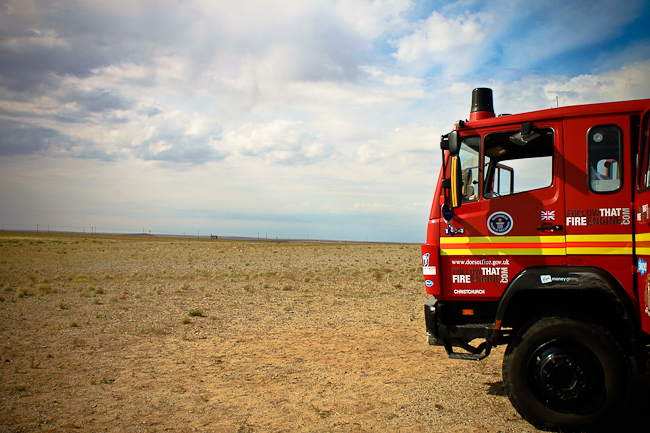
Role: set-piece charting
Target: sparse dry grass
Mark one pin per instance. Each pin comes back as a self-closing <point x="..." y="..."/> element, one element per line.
<point x="179" y="334"/>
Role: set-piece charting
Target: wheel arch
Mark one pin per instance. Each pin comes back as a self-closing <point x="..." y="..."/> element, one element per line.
<point x="589" y="293"/>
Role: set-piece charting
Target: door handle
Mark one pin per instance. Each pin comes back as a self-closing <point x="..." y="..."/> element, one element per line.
<point x="549" y="227"/>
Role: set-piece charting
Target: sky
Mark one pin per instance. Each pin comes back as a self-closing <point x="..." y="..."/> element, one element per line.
<point x="277" y="119"/>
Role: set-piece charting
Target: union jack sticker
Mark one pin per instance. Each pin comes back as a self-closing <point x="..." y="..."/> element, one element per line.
<point x="548" y="215"/>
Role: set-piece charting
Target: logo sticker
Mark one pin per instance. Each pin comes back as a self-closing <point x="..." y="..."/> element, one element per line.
<point x="428" y="283"/>
<point x="643" y="266"/>
<point x="545" y="279"/>
<point x="499" y="223"/>
<point x="425" y="259"/>
<point x="599" y="216"/>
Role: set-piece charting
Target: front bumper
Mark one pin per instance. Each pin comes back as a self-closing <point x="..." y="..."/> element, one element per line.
<point x="448" y="327"/>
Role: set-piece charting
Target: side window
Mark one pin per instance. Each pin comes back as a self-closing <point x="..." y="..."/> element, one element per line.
<point x="644" y="153"/>
<point x="605" y="149"/>
<point x="469" y="157"/>
<point x="517" y="162"/>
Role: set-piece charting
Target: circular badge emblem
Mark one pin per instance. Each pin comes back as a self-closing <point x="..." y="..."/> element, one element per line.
<point x="499" y="223"/>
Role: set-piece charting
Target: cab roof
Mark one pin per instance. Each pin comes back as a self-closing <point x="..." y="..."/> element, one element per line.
<point x="605" y="108"/>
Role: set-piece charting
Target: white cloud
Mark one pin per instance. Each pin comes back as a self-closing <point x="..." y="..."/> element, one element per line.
<point x="279" y="142"/>
<point x="631" y="81"/>
<point x="374" y="18"/>
<point x="439" y="37"/>
<point x="283" y="114"/>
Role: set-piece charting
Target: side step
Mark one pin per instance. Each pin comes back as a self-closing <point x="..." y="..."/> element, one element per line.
<point x="474" y="353"/>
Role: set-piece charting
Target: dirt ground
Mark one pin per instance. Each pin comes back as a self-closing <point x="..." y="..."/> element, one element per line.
<point x="146" y="334"/>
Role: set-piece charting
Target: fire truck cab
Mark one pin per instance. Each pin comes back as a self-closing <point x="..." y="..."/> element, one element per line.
<point x="539" y="239"/>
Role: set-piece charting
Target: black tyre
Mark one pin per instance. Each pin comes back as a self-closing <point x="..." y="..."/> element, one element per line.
<point x="563" y="374"/>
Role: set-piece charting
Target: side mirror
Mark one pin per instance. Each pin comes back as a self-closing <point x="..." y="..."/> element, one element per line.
<point x="456" y="184"/>
<point x="450" y="142"/>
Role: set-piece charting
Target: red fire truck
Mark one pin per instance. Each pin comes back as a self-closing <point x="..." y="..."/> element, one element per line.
<point x="539" y="239"/>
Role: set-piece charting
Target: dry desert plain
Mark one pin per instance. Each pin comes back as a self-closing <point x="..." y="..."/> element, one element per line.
<point x="145" y="334"/>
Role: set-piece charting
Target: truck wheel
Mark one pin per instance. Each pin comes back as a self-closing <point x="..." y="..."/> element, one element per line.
<point x="567" y="375"/>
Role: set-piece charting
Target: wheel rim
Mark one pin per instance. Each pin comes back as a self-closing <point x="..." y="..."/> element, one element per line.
<point x="566" y="376"/>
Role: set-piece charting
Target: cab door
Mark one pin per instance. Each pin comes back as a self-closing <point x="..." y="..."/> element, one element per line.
<point x="511" y="216"/>
<point x="642" y="222"/>
<point x="599" y="171"/>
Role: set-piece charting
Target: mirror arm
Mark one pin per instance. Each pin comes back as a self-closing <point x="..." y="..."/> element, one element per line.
<point x="447" y="214"/>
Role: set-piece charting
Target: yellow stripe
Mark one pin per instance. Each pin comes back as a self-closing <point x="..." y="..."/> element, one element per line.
<point x="503" y="245"/>
<point x="499" y="239"/>
<point x="642" y="244"/>
<point x="626" y="237"/>
<point x="508" y="252"/>
<point x="604" y="244"/>
<point x="600" y="244"/>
